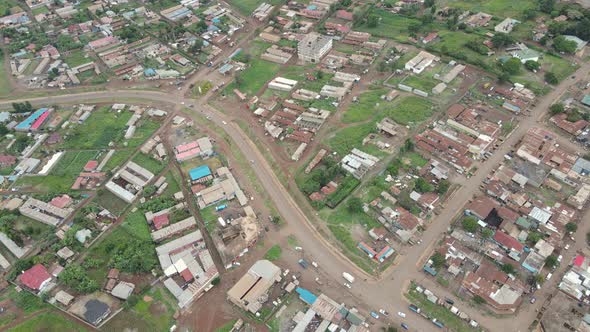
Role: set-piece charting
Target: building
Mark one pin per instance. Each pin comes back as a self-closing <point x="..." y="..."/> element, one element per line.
<point x="251" y="291"/>
<point x="36" y="278"/>
<point x="313" y="47"/>
<point x="96" y="311"/>
<point x="123" y="290"/>
<point x="580" y="44"/>
<point x="420" y="62"/>
<point x="526" y="55"/>
<point x="44" y="212"/>
<point x="506" y="26"/>
<point x="358" y="163"/>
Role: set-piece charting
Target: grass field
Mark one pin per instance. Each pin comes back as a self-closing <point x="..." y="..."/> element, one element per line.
<point x="227" y="327"/>
<point x="246" y="7"/>
<point x="76" y="58"/>
<point x="149" y="163"/>
<point x="6" y="5"/>
<point x="410" y="110"/>
<point x="109" y="201"/>
<point x="562" y="68"/>
<point x="255" y="76"/>
<point x="50" y="321"/>
<point x="5" y="87"/>
<point x="117" y="159"/>
<point x="273" y="253"/>
<point x="135" y="223"/>
<point x="366" y="107"/>
<point x="502" y="8"/>
<point x="101" y="128"/>
<point x="63" y="174"/>
<point x="392" y="26"/>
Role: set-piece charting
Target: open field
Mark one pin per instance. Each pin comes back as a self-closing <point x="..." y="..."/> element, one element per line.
<point x="117" y="159"/>
<point x="149" y="163"/>
<point x="255" y="76"/>
<point x="246" y="7"/>
<point x="76" y="58"/>
<point x="109" y="201"/>
<point x="153" y="312"/>
<point x="48" y="321"/>
<point x="502" y="8"/>
<point x="5" y="88"/>
<point x="392" y="26"/>
<point x="98" y="131"/>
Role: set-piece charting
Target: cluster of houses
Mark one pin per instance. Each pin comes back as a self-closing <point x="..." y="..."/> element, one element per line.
<point x="254" y="291"/>
<point x="526" y="226"/>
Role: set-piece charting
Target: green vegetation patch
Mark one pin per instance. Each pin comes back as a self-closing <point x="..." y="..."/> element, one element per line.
<point x="273" y="253"/>
<point x="246" y="7"/>
<point x="49" y="321"/>
<point x="101" y="128"/>
<point x="391" y="26"/>
<point x="149" y="163"/>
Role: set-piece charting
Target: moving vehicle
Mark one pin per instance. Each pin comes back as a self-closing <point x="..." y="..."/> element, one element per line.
<point x="374" y="315"/>
<point x="347" y="285"/>
<point x="414" y="308"/>
<point x="348" y="277"/>
<point x="383" y="312"/>
<point x="405" y="326"/>
<point x="437" y="323"/>
<point x="401" y="314"/>
<point x="533" y="300"/>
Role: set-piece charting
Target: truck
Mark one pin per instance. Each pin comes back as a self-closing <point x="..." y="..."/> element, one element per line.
<point x="220" y="207"/>
<point x="437" y="323"/>
<point x="303" y="263"/>
<point x="348" y="277"/>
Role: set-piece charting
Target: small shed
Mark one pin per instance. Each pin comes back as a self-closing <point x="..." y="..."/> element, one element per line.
<point x="64" y="298"/>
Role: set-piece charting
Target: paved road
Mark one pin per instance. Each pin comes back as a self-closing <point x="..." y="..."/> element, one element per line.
<point x="374" y="294"/>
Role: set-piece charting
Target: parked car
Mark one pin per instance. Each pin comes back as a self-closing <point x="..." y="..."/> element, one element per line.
<point x="374" y="315"/>
<point x="401" y="314"/>
<point x="449" y="301"/>
<point x="383" y="312"/>
<point x="405" y="326"/>
<point x="347" y="285"/>
<point x="533" y="300"/>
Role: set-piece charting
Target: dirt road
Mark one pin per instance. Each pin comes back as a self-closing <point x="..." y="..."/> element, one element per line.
<point x="372" y="294"/>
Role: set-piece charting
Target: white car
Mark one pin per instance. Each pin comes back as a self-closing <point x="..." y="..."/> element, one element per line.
<point x="401" y="314"/>
<point x="347" y="285"/>
<point x="383" y="312"/>
<point x="224" y="122"/>
<point x="559" y="258"/>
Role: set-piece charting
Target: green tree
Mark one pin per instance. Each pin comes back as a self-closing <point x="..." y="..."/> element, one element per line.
<point x="561" y="44"/>
<point x="508" y="268"/>
<point x="571" y="227"/>
<point x="556" y="108"/>
<point x="511" y="66"/>
<point x="551" y="261"/>
<point x="501" y="39"/>
<point x="551" y="78"/>
<point x="487" y="233"/>
<point x="422" y="186"/>
<point x="547" y="6"/>
<point x="373" y="21"/>
<point x="74" y="276"/>
<point x="532" y="65"/>
<point x="355" y="205"/>
<point x="443" y="187"/>
<point x="469" y="224"/>
<point x="438" y="260"/>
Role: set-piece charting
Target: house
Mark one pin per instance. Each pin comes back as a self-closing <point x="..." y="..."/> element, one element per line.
<point x="251" y="291"/>
<point x="36" y="278"/>
<point x="313" y="47"/>
<point x="96" y="311"/>
<point x="580" y="44"/>
<point x="7" y="160"/>
<point x="506" y="26"/>
<point x="509" y="244"/>
<point x="160" y="221"/>
<point x="526" y="55"/>
<point x="64" y="298"/>
<point x="123" y="290"/>
<point x="420" y="62"/>
<point x="430" y="37"/>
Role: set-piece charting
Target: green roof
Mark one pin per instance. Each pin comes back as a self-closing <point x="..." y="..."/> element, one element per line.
<point x="586" y="100"/>
<point x="527" y="54"/>
<point x="523" y="222"/>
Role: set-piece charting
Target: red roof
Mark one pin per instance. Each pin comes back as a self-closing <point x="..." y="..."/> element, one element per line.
<point x="90" y="165"/>
<point x="508" y="241"/>
<point x="579" y="260"/>
<point x="7" y="159"/>
<point x="186" y="275"/>
<point x="34" y="277"/>
<point x="61" y="201"/>
<point x="161" y="221"/>
<point x="343" y="14"/>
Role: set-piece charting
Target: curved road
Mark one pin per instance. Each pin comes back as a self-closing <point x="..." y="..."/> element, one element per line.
<point x="374" y="294"/>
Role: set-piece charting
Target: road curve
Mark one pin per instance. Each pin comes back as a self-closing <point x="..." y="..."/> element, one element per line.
<point x="387" y="292"/>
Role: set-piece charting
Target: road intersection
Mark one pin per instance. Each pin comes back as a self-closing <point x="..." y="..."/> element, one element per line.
<point x="367" y="291"/>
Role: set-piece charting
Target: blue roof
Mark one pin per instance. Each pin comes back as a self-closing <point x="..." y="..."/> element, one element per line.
<point x="225" y="68"/>
<point x="149" y="72"/>
<point x="215" y="20"/>
<point x="306" y="296"/>
<point x="312" y="7"/>
<point x="199" y="172"/>
<point x="26" y="124"/>
<point x="430" y="270"/>
<point x="586" y="100"/>
<point x="212" y="28"/>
